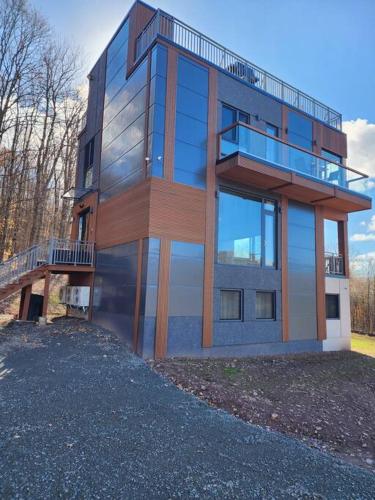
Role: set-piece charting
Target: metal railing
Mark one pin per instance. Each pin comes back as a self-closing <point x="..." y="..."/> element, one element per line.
<point x="245" y="139"/>
<point x="334" y="264"/>
<point x="181" y="34"/>
<point x="54" y="251"/>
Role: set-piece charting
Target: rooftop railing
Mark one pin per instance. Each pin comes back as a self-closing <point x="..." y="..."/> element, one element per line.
<point x="181" y="34"/>
<point x="242" y="138"/>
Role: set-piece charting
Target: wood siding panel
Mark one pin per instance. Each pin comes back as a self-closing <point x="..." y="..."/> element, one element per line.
<point x="177" y="212"/>
<point x="139" y="15"/>
<point x="209" y="255"/>
<point x="89" y="202"/>
<point x="124" y="217"/>
<point x="330" y="139"/>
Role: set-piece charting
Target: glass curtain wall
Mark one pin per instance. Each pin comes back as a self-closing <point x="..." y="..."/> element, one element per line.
<point x="191" y="124"/>
<point x="158" y="86"/>
<point x="123" y="148"/>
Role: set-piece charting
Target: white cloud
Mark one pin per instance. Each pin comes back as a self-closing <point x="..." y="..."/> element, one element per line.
<point x="363" y="237"/>
<point x="371" y="224"/>
<point x="363" y="264"/>
<point x="361" y="148"/>
<point x="363" y="223"/>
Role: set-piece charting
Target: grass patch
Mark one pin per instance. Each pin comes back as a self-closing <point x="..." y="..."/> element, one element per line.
<point x="363" y="344"/>
<point x="230" y="371"/>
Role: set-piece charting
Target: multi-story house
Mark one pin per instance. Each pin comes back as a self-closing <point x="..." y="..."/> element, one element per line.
<point x="213" y="192"/>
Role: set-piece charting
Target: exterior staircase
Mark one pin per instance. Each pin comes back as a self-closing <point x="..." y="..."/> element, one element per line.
<point x="54" y="255"/>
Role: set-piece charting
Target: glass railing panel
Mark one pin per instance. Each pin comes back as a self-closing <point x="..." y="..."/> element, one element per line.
<point x="241" y="139"/>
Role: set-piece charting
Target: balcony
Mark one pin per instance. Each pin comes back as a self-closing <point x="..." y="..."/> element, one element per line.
<point x="334" y="264"/>
<point x="249" y="156"/>
<point x="165" y="26"/>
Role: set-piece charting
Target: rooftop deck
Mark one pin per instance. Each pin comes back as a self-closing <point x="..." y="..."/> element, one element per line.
<point x="176" y="31"/>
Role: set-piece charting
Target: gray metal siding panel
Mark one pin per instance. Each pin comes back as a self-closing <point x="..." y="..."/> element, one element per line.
<point x="243" y="97"/>
<point x="301" y="272"/>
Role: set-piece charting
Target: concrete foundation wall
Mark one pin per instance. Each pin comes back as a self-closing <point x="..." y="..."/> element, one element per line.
<point x="338" y="330"/>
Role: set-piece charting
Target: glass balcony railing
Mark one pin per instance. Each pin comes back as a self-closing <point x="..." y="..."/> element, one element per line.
<point x="241" y="138"/>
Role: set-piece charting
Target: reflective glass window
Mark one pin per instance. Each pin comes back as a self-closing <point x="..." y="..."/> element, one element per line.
<point x="246" y="230"/>
<point x="300" y="130"/>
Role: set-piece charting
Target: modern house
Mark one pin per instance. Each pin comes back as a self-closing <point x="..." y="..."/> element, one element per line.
<point x="217" y="197"/>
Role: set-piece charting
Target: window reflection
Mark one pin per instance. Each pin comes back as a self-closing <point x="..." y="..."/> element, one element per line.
<point x="243" y="239"/>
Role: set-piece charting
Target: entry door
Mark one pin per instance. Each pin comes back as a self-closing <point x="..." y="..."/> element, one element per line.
<point x="83" y="226"/>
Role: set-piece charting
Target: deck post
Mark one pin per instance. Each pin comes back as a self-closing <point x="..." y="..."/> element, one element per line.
<point x="46" y="294"/>
<point x="25" y="302"/>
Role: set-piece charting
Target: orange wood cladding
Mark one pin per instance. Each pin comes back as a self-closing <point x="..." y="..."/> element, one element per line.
<point x="139" y="15"/>
<point x="320" y="274"/>
<point x="155" y="207"/>
<point x="124" y="217"/>
<point x="284" y="268"/>
<point x="161" y="334"/>
<point x="330" y="139"/>
<point x="343" y="246"/>
<point x="177" y="212"/>
<point x="210" y="212"/>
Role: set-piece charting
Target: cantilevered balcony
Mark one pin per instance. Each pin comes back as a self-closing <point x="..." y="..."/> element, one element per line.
<point x="252" y="157"/>
<point x="164" y="26"/>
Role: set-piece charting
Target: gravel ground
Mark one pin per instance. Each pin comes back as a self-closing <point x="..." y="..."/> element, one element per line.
<point x="82" y="417"/>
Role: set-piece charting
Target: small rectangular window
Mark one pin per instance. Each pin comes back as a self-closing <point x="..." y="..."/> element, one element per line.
<point x="265" y="305"/>
<point x="332" y="306"/>
<point x="231" y="305"/>
<point x="272" y="130"/>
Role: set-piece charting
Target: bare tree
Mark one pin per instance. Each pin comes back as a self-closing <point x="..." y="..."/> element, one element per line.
<point x="40" y="113"/>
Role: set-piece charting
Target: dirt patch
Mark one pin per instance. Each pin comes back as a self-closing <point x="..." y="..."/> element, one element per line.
<point x="327" y="400"/>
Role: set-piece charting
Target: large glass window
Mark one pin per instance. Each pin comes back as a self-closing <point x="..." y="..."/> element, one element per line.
<point x="191" y="123"/>
<point x="332" y="172"/>
<point x="246" y="230"/>
<point x="229" y="116"/>
<point x="299" y="130"/>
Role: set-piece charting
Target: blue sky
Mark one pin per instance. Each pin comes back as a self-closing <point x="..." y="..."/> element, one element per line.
<point x="324" y="47"/>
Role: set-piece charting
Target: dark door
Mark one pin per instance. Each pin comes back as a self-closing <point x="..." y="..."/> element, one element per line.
<point x="83" y="226"/>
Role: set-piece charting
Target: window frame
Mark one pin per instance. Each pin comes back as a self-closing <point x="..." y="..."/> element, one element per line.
<point x="276" y="129"/>
<point x="234" y="131"/>
<point x="88" y="161"/>
<point x="240" y="291"/>
<point x="273" y="295"/>
<point x="264" y="212"/>
<point x="337" y="295"/>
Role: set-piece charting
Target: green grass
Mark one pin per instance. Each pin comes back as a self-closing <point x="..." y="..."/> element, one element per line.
<point x="231" y="371"/>
<point x="363" y="344"/>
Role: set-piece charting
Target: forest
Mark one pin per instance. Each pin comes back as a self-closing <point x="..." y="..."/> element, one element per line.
<point x="40" y="115"/>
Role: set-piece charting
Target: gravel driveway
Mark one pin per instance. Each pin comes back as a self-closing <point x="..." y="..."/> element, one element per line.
<point x="81" y="417"/>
